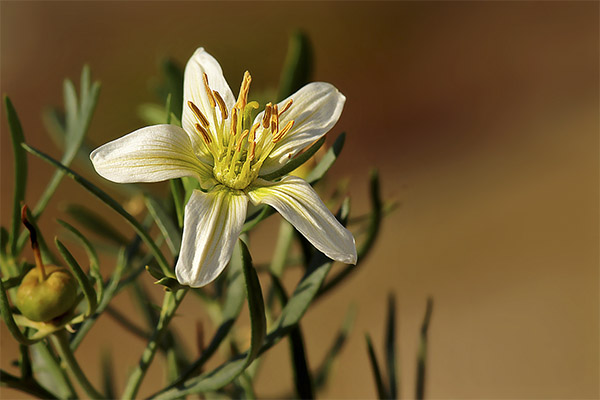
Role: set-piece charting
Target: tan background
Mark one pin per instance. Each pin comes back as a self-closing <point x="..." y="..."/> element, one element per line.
<point x="483" y="120"/>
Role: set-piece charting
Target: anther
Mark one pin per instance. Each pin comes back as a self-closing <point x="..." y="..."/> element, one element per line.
<point x="286" y="107"/>
<point x="267" y="116"/>
<point x="244" y="89"/>
<point x="252" y="149"/>
<point x="274" y="120"/>
<point x="221" y="103"/>
<point x="244" y="134"/>
<point x="211" y="99"/>
<point x="282" y="132"/>
<point x="252" y="135"/>
<point x="204" y="133"/>
<point x="198" y="114"/>
<point x="233" y="126"/>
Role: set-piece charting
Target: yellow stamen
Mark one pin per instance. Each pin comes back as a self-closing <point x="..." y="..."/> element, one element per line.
<point x="211" y="98"/>
<point x="267" y="115"/>
<point x="286" y="107"/>
<point x="198" y="114"/>
<point x="252" y="148"/>
<point x="221" y="103"/>
<point x="285" y="130"/>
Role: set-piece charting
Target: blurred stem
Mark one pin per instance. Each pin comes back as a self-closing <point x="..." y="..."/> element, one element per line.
<point x="61" y="342"/>
<point x="170" y="303"/>
<point x="59" y="376"/>
<point x="284" y="242"/>
<point x="29" y="386"/>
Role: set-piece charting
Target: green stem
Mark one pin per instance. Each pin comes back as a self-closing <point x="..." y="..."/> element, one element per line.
<point x="61" y="342"/>
<point x="170" y="303"/>
<point x="29" y="386"/>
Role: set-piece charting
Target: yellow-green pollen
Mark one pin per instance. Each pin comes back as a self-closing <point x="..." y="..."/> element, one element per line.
<point x="232" y="139"/>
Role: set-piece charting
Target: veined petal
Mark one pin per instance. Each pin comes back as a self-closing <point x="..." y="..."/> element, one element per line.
<point x="213" y="222"/>
<point x="297" y="201"/>
<point x="194" y="90"/>
<point x="151" y="154"/>
<point x="315" y="110"/>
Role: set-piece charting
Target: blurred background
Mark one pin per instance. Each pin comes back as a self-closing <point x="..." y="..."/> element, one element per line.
<point x="482" y="119"/>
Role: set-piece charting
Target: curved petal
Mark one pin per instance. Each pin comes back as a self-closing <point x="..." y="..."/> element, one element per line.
<point x="297" y="201"/>
<point x="315" y="110"/>
<point x="194" y="90"/>
<point x="151" y="154"/>
<point x="213" y="222"/>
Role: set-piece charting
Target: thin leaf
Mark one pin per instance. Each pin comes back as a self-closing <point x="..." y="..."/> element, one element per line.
<point x="176" y="191"/>
<point x="109" y="201"/>
<point x="327" y="161"/>
<point x="422" y="357"/>
<point x="96" y="224"/>
<point x="108" y="379"/>
<point x="381" y="392"/>
<point x="71" y="105"/>
<point x="390" y="348"/>
<point x="298" y="66"/>
<point x="92" y="255"/>
<point x="324" y="370"/>
<point x="296" y="161"/>
<point x="171" y="234"/>
<point x="82" y="278"/>
<point x="20" y="172"/>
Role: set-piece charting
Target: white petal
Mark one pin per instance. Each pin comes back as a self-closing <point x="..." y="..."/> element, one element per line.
<point x="301" y="206"/>
<point x="315" y="110"/>
<point x="151" y="154"/>
<point x="194" y="91"/>
<point x="213" y="222"/>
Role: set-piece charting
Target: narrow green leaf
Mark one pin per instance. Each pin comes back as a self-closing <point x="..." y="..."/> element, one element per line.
<point x="109" y="201"/>
<point x="82" y="278"/>
<point x="327" y="161"/>
<point x="174" y="84"/>
<point x="381" y="392"/>
<point x="78" y="116"/>
<point x="84" y="84"/>
<point x="71" y="106"/>
<point x="108" y="379"/>
<point x="171" y="234"/>
<point x="323" y="372"/>
<point x="390" y="348"/>
<point x="9" y="320"/>
<point x="96" y="223"/>
<point x="123" y="259"/>
<point x="296" y="161"/>
<point x="422" y="357"/>
<point x="20" y="172"/>
<point x="227" y="372"/>
<point x="92" y="255"/>
<point x="176" y="191"/>
<point x="298" y="65"/>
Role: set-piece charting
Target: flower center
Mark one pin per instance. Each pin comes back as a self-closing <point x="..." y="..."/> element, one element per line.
<point x="238" y="147"/>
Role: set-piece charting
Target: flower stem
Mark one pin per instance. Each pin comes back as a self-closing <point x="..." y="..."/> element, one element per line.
<point x="170" y="303"/>
<point x="62" y="346"/>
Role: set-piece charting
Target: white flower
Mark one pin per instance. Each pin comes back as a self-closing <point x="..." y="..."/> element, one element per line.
<point x="228" y="153"/>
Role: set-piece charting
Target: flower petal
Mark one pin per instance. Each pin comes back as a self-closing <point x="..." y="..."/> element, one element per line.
<point x="212" y="225"/>
<point x="315" y="110"/>
<point x="151" y="154"/>
<point x="297" y="201"/>
<point x="194" y="90"/>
